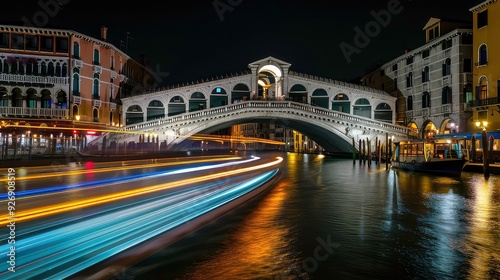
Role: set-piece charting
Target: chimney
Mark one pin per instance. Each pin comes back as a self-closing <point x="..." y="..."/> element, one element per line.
<point x="104" y="33"/>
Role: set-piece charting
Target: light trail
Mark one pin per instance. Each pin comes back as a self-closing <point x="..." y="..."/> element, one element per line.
<point x="106" y="182"/>
<point x="109" y="169"/>
<point x="25" y="215"/>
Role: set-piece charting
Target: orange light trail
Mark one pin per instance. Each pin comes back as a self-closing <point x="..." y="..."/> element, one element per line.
<point x="83" y="203"/>
<point x="108" y="169"/>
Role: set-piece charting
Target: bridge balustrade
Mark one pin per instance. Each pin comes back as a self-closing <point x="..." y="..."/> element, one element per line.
<point x="301" y="107"/>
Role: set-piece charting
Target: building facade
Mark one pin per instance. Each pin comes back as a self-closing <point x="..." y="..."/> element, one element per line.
<point x="432" y="83"/>
<point x="486" y="60"/>
<point x="60" y="88"/>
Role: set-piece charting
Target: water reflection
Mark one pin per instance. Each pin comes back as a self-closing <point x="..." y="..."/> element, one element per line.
<point x="384" y="224"/>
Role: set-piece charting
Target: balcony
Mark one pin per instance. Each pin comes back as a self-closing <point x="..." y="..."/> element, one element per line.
<point x="446" y="109"/>
<point x="425" y="112"/>
<point x="485" y="102"/>
<point x="97" y="69"/>
<point x="77" y="100"/>
<point x="77" y="63"/>
<point x="34" y="112"/>
<point x="17" y="78"/>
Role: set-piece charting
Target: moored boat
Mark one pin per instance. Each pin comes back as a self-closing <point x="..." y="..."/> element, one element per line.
<point x="440" y="156"/>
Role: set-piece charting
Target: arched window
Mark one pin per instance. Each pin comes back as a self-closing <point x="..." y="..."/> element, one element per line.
<point x="409" y="102"/>
<point x="426" y="100"/>
<point x="483" y="55"/>
<point x="95" y="88"/>
<point x="96" y="57"/>
<point x="76" y="82"/>
<point x="447" y="67"/>
<point x="446" y="95"/>
<point x="425" y="74"/>
<point x="409" y="80"/>
<point x="76" y="50"/>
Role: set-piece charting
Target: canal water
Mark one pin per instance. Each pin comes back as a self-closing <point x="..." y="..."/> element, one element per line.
<point x="332" y="219"/>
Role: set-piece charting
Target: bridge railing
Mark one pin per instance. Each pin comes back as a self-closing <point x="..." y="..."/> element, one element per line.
<point x="269" y="105"/>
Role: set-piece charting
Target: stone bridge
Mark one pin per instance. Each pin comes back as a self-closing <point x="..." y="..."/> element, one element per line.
<point x="332" y="130"/>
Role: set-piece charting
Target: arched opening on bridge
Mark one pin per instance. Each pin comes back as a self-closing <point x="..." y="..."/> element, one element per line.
<point x="363" y="108"/>
<point x="269" y="82"/>
<point x="197" y="102"/>
<point x="218" y="97"/>
<point x="133" y="115"/>
<point x="265" y="82"/>
<point x="176" y="106"/>
<point x="341" y="103"/>
<point x="429" y="130"/>
<point x="240" y="92"/>
<point x="155" y="110"/>
<point x="383" y="113"/>
<point x="320" y="98"/>
<point x="298" y="93"/>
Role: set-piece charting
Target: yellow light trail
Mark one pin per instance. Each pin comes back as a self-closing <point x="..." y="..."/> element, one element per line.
<point x="108" y="169"/>
<point x="25" y="215"/>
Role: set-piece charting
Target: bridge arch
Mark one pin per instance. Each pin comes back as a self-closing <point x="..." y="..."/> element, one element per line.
<point x="240" y="92"/>
<point x="383" y="112"/>
<point x="197" y="101"/>
<point x="155" y="110"/>
<point x="218" y="97"/>
<point x="176" y="106"/>
<point x="363" y="108"/>
<point x="134" y="114"/>
<point x="298" y="93"/>
<point x="341" y="103"/>
<point x="320" y="98"/>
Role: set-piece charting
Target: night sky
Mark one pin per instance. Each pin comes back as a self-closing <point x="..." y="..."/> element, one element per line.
<point x="192" y="40"/>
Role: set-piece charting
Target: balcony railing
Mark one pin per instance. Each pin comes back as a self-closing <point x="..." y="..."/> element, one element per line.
<point x="485" y="102"/>
<point x="34" y="112"/>
<point x="34" y="79"/>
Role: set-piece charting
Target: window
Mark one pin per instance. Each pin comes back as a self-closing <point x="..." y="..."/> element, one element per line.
<point x="95" y="88"/>
<point x="76" y="50"/>
<point x="62" y="45"/>
<point x="394" y="67"/>
<point x="409" y="102"/>
<point x="482" y="89"/>
<point x="446" y="96"/>
<point x="46" y="44"/>
<point x="76" y="82"/>
<point x="382" y="72"/>
<point x="426" y="100"/>
<point x="31" y="42"/>
<point x="409" y="60"/>
<point x="112" y="67"/>
<point x="447" y="67"/>
<point x="4" y="40"/>
<point x="482" y="18"/>
<point x="483" y="55"/>
<point x="425" y="74"/>
<point x="395" y="83"/>
<point x="96" y="57"/>
<point x="409" y="80"/>
<point x="468" y="93"/>
<point x="17" y="42"/>
<point x="426" y="53"/>
<point x="446" y="44"/>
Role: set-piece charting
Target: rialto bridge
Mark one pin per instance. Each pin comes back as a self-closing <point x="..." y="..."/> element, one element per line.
<point x="330" y="112"/>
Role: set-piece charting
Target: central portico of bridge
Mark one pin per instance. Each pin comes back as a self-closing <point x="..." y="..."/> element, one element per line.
<point x="332" y="113"/>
